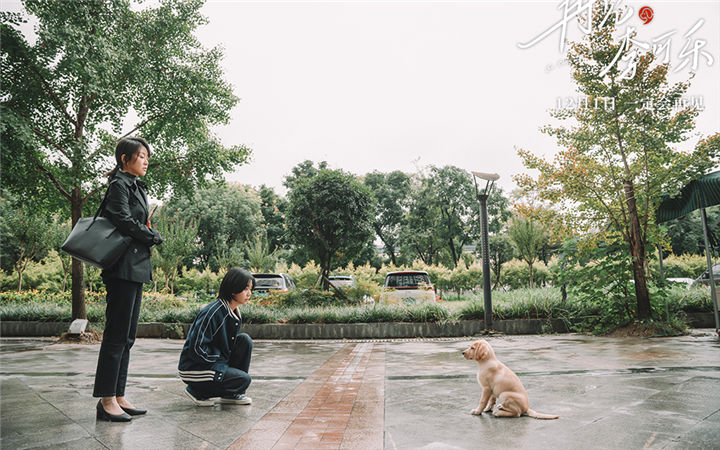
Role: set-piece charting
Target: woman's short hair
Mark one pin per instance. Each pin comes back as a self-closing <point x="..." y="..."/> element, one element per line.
<point x="236" y="280"/>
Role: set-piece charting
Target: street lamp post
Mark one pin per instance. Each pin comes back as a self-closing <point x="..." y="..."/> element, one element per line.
<point x="490" y="179"/>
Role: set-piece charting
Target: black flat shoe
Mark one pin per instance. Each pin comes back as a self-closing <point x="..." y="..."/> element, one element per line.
<point x="104" y="415"/>
<point x="133" y="411"/>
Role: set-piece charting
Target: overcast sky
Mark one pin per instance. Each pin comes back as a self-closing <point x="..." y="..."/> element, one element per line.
<point x="397" y="86"/>
<point x="376" y="86"/>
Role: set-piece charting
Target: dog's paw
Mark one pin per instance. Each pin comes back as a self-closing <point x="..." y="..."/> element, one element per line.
<point x="476" y="412"/>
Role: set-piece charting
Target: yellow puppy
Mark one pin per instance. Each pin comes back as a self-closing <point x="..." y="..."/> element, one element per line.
<point x="499" y="384"/>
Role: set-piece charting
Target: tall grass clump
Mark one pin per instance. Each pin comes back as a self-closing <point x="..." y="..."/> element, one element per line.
<point x="254" y="313"/>
<point x="695" y="299"/>
<point x="538" y="303"/>
<point x="473" y="310"/>
<point x="543" y="303"/>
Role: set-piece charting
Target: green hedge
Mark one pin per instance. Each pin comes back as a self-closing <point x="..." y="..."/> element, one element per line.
<point x="685" y="266"/>
<point x="518" y="304"/>
<point x="47" y="276"/>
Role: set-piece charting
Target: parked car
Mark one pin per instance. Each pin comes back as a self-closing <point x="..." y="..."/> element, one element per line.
<point x="704" y="279"/>
<point x="266" y="282"/>
<point x="687" y="282"/>
<point x="407" y="287"/>
<point x="342" y="281"/>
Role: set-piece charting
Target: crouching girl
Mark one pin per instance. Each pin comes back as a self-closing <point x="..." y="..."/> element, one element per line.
<point x="215" y="359"/>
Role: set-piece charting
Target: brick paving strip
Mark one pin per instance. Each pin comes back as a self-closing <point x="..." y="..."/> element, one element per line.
<point x="340" y="406"/>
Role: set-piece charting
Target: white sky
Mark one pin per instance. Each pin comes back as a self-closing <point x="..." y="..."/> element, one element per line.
<point x="394" y="86"/>
<point x="385" y="86"/>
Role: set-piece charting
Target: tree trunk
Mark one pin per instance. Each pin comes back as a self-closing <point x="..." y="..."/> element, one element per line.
<point x="453" y="253"/>
<point x="389" y="248"/>
<point x="637" y="252"/>
<point x="20" y="267"/>
<point x="532" y="284"/>
<point x="325" y="270"/>
<point x="422" y="256"/>
<point x="65" y="272"/>
<point x="497" y="272"/>
<point x="325" y="275"/>
<point x="78" y="285"/>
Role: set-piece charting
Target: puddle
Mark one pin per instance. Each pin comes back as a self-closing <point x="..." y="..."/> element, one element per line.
<point x="591" y="372"/>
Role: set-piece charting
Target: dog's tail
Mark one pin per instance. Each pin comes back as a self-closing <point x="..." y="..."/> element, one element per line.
<point x="538" y="415"/>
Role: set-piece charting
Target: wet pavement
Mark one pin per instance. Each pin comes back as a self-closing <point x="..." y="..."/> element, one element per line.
<point x="622" y="393"/>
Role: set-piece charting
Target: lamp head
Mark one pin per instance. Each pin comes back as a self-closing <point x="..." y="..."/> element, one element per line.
<point x="486" y="176"/>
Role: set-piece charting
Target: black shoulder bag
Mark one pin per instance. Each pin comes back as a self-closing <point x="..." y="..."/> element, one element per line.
<point x="96" y="241"/>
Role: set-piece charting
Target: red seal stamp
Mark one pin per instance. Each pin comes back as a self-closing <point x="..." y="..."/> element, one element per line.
<point x="646" y="14"/>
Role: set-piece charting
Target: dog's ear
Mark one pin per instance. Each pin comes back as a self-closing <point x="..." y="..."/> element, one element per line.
<point x="481" y="350"/>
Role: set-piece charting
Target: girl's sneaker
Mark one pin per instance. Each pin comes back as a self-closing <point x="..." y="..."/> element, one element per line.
<point x="237" y="399"/>
<point x="197" y="400"/>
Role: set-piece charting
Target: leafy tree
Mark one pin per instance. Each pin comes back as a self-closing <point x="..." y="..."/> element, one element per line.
<point x="617" y="157"/>
<point x="555" y="222"/>
<point x="273" y="209"/>
<point x="228" y="257"/>
<point x="27" y="232"/>
<point x="225" y="215"/>
<point x="466" y="279"/>
<point x="391" y="192"/>
<point x="58" y="232"/>
<point x="500" y="251"/>
<point x="65" y="96"/>
<point x="529" y="237"/>
<point x="305" y="169"/>
<point x="455" y="198"/>
<point x="301" y="255"/>
<point x="367" y="255"/>
<point x="686" y="233"/>
<point x="602" y="279"/>
<point x="443" y="215"/>
<point x="330" y="213"/>
<point x="500" y="247"/>
<point x="419" y="236"/>
<point x="259" y="256"/>
<point x="180" y="240"/>
<point x="498" y="209"/>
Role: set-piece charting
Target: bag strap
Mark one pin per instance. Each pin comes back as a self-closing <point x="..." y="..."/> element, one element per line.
<point x="102" y="203"/>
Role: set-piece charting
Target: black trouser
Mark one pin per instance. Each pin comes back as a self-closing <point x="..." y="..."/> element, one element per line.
<point x="121" y="319"/>
<point x="236" y="379"/>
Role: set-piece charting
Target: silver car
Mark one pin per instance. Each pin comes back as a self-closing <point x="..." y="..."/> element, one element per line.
<point x="342" y="281"/>
<point x="266" y="282"/>
<point x="704" y="279"/>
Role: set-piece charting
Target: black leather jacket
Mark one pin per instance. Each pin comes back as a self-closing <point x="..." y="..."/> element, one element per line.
<point x="127" y="208"/>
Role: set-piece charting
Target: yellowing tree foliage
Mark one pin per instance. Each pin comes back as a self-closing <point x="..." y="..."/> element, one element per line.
<point x="617" y="154"/>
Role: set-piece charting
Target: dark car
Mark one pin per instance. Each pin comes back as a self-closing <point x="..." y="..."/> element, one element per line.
<point x="266" y="282"/>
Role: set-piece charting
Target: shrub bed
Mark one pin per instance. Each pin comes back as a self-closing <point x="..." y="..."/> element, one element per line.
<point x="324" y="307"/>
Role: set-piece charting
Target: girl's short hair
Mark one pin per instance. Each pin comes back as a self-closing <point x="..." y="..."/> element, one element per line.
<point x="127" y="146"/>
<point x="236" y="280"/>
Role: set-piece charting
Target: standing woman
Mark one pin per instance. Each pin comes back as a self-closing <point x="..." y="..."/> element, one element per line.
<point x="128" y="209"/>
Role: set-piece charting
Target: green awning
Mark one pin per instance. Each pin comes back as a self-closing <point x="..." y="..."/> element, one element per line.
<point x="701" y="193"/>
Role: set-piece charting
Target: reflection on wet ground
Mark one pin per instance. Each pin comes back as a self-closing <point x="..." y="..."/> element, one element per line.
<point x="609" y="392"/>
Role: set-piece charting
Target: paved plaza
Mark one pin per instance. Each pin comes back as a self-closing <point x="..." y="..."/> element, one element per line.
<point x="610" y="393"/>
